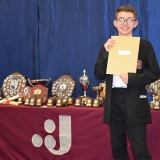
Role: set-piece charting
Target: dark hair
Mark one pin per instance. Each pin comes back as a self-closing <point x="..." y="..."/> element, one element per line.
<point x="127" y="8"/>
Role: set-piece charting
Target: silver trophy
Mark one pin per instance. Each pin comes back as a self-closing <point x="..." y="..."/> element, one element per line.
<point x="154" y="91"/>
<point x="84" y="82"/>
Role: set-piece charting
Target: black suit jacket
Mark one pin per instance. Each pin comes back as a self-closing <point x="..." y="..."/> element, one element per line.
<point x="147" y="72"/>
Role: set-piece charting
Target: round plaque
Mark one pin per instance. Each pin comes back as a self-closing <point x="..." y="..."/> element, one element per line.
<point x="12" y="84"/>
<point x="63" y="87"/>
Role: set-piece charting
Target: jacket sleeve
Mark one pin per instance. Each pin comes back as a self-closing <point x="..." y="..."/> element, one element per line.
<point x="151" y="71"/>
<point x="101" y="64"/>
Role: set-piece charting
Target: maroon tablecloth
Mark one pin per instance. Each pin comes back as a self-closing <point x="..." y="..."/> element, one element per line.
<point x="68" y="133"/>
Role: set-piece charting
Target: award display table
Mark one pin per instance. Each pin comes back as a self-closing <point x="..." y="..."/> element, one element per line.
<point x="61" y="133"/>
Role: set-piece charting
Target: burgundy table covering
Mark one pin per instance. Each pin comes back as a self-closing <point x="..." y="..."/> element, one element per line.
<point x="61" y="133"/>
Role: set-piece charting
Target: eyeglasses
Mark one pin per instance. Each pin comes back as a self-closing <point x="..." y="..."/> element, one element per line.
<point x="128" y="20"/>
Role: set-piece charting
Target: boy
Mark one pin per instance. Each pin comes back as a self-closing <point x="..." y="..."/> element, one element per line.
<point x="126" y="112"/>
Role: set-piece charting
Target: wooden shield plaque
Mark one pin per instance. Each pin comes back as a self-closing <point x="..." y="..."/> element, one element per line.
<point x="39" y="91"/>
<point x="13" y="84"/>
<point x="63" y="87"/>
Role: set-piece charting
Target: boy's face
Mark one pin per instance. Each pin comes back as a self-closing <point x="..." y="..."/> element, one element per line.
<point x="125" y="23"/>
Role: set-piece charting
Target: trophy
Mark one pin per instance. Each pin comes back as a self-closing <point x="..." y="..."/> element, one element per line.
<point x="63" y="87"/>
<point x="97" y="90"/>
<point x="154" y="90"/>
<point x="13" y="84"/>
<point x="98" y="100"/>
<point x="38" y="89"/>
<point x="84" y="82"/>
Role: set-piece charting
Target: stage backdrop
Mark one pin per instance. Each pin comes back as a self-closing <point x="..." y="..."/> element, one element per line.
<point x="51" y="38"/>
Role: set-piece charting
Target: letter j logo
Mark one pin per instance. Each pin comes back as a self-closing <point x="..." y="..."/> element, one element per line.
<point x="50" y="142"/>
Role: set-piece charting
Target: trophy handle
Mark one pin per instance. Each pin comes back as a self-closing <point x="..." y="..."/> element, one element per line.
<point x="30" y="82"/>
<point x="39" y="81"/>
<point x="147" y="88"/>
<point x="48" y="81"/>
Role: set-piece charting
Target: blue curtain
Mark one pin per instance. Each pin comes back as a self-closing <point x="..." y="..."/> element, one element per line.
<point x="51" y="38"/>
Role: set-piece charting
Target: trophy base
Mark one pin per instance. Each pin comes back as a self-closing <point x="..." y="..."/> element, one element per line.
<point x="96" y="103"/>
<point x="86" y="101"/>
<point x="89" y="102"/>
<point x="77" y="102"/>
<point x="83" y="101"/>
<point x="70" y="101"/>
<point x="156" y="108"/>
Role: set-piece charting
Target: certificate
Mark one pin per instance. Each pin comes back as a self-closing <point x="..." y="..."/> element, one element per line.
<point x="123" y="55"/>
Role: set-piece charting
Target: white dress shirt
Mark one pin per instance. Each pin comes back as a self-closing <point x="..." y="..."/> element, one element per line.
<point x="117" y="82"/>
